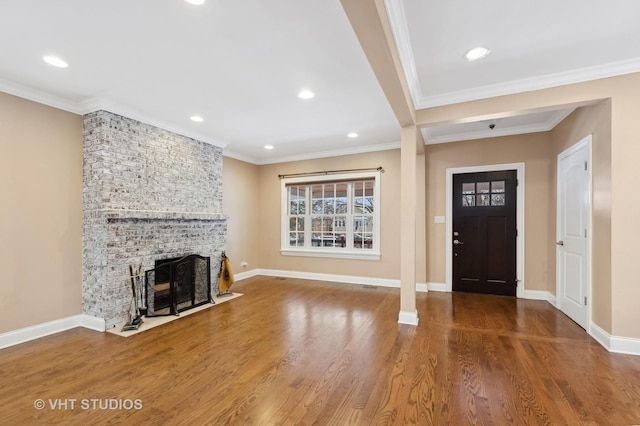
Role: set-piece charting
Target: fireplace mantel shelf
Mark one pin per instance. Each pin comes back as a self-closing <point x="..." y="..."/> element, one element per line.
<point x="124" y="214"/>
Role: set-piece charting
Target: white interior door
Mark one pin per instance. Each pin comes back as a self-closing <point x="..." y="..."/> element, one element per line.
<point x="573" y="232"/>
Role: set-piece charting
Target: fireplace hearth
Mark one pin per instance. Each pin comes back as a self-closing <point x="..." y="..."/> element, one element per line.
<point x="178" y="284"/>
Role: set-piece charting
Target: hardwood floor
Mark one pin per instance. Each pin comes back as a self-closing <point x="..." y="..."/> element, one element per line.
<point x="295" y="352"/>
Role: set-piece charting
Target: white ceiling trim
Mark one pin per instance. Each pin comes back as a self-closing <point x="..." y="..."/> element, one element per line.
<point x="535" y="83"/>
<point x="39" y="96"/>
<point x="95" y="104"/>
<point x="322" y="154"/>
<point x="399" y="26"/>
<point x="230" y="153"/>
<point x="400" y="29"/>
<point x="546" y="126"/>
<point x="481" y="134"/>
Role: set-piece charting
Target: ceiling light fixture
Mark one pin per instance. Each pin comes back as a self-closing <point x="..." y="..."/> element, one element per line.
<point x="306" y="94"/>
<point x="268" y="147"/>
<point x="196" y="118"/>
<point x="195" y="2"/>
<point x="352" y="135"/>
<point x="476" y="53"/>
<point x="55" y="61"/>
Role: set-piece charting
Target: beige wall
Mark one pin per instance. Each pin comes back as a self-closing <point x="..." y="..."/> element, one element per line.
<point x="40" y="213"/>
<point x="594" y="120"/>
<point x="269" y="217"/>
<point x="240" y="204"/>
<point x="533" y="150"/>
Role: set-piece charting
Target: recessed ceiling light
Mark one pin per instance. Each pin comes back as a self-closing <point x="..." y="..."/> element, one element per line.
<point x="476" y="53"/>
<point x="195" y="2"/>
<point x="55" y="61"/>
<point x="352" y="135"/>
<point x="268" y="147"/>
<point x="196" y="118"/>
<point x="306" y="94"/>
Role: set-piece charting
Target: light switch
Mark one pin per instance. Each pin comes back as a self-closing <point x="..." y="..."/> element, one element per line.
<point x="438" y="219"/>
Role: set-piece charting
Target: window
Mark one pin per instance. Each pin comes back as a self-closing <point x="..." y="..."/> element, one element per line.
<point x="483" y="194"/>
<point x="331" y="216"/>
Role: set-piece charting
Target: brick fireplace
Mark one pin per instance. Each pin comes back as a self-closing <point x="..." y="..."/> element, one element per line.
<point x="148" y="194"/>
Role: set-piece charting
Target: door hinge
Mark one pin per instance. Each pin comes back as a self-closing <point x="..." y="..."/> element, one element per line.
<point x="585" y="301"/>
<point x="585" y="165"/>
<point x="585" y="233"/>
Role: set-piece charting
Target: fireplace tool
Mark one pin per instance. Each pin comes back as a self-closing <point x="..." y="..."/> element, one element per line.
<point x="226" y="277"/>
<point x="135" y="322"/>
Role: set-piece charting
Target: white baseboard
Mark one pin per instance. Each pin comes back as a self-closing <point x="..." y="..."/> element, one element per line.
<point x="442" y="287"/>
<point x="92" y="323"/>
<point x="347" y="279"/>
<point x="245" y="274"/>
<point x="26" y="334"/>
<point x="409" y="318"/>
<point x="617" y="344"/>
<point x="536" y="295"/>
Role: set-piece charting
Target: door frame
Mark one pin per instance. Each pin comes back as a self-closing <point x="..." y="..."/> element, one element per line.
<point x="519" y="167"/>
<point x="586" y="141"/>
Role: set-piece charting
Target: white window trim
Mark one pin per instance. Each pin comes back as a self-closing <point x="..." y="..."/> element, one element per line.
<point x="285" y="250"/>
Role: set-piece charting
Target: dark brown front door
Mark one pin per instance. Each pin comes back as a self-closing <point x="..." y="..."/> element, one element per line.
<point x="484" y="232"/>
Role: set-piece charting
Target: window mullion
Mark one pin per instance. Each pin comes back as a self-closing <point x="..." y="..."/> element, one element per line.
<point x="350" y="216"/>
<point x="307" y="217"/>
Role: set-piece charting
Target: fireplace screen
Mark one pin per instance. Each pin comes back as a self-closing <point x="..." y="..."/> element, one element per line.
<point x="175" y="285"/>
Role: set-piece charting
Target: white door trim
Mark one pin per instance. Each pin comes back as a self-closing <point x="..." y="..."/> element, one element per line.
<point x="519" y="167"/>
<point x="586" y="141"/>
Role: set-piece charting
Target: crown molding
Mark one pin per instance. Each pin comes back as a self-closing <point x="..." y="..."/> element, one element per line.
<point x="545" y="126"/>
<point x="95" y="104"/>
<point x="99" y="104"/>
<point x="39" y="96"/>
<point x="400" y="30"/>
<point x="611" y="69"/>
<point x="241" y="157"/>
<point x="331" y="153"/>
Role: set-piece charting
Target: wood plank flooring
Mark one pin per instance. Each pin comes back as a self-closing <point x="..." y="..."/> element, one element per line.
<point x="296" y="352"/>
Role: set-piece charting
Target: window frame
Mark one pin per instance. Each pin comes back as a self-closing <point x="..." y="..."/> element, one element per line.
<point x="329" y="252"/>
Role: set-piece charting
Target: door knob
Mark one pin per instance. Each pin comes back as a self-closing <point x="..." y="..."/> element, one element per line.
<point x="560" y="243"/>
<point x="456" y="242"/>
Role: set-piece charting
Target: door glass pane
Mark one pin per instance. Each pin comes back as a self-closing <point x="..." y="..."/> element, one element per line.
<point x="497" y="186"/>
<point x="468" y="188"/>
<point x="483" y="187"/>
<point x="468" y="200"/>
<point x="483" y="200"/>
<point x="497" y="199"/>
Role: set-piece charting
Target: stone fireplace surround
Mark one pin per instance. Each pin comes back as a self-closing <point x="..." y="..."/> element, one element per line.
<point x="148" y="194"/>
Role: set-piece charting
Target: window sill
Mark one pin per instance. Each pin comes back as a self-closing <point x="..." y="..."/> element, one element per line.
<point x="369" y="255"/>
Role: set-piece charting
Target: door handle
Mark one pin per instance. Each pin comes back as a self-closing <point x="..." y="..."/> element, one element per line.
<point x="457" y="243"/>
<point x="560" y="243"/>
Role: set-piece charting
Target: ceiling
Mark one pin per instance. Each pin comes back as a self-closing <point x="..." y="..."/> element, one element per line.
<point x="240" y="65"/>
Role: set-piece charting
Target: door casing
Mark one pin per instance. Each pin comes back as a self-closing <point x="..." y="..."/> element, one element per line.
<point x="519" y="167"/>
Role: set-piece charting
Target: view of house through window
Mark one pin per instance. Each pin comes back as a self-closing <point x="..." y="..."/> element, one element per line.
<point x="331" y="215"/>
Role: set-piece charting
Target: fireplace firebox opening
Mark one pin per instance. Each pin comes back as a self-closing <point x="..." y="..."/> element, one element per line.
<point x="178" y="284"/>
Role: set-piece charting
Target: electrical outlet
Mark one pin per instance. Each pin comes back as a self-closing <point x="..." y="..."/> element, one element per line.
<point x="244" y="264"/>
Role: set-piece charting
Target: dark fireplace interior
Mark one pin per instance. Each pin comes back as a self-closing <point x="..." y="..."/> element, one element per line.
<point x="178" y="284"/>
